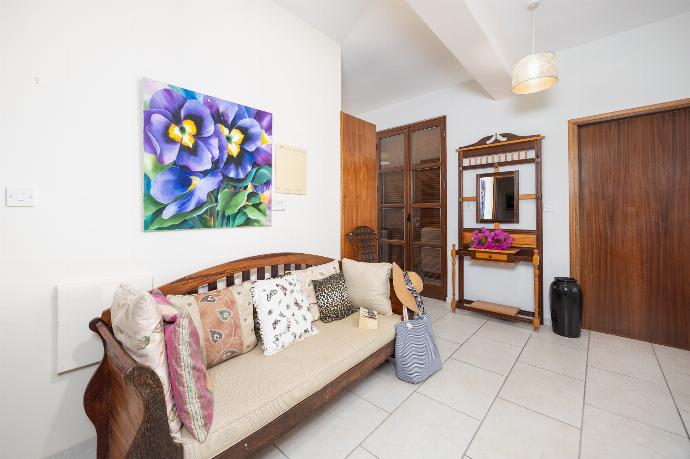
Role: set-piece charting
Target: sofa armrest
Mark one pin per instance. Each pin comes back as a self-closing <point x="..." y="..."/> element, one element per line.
<point x="126" y="404"/>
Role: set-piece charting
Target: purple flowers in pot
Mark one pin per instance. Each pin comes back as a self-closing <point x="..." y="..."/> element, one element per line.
<point x="494" y="240"/>
<point x="207" y="161"/>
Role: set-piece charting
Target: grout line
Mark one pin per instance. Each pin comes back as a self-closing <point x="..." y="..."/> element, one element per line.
<point x="539" y="412"/>
<point x="519" y="346"/>
<point x="584" y="394"/>
<point x="663" y="373"/>
<point x="481" y="423"/>
<point x="448" y="406"/>
<point x="637" y="421"/>
<point x="360" y="446"/>
<point x="554" y="372"/>
<point x="280" y="451"/>
<point x="618" y="373"/>
<point x="369" y="401"/>
<point x="477" y="366"/>
<point x="570" y="346"/>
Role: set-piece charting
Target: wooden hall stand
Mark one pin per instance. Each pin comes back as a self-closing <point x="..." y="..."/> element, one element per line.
<point x="495" y="152"/>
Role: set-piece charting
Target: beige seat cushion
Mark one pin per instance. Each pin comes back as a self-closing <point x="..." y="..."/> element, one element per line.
<point x="251" y="390"/>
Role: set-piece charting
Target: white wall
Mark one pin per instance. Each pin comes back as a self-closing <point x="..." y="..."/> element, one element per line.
<point x="75" y="135"/>
<point x="640" y="67"/>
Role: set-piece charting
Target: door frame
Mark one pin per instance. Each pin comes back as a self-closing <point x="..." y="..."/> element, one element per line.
<point x="574" y="165"/>
<point x="409" y="205"/>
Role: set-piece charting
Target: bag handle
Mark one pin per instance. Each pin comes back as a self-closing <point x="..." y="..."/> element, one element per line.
<point x="415" y="294"/>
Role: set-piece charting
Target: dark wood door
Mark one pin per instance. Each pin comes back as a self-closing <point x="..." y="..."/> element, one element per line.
<point x="634" y="226"/>
<point x="412" y="201"/>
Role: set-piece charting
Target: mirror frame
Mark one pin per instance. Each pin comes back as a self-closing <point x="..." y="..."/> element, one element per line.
<point x="516" y="181"/>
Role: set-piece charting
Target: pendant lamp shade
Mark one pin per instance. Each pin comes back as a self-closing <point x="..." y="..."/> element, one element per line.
<point x="535" y="72"/>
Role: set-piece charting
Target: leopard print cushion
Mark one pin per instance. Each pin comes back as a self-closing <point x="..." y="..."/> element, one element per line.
<point x="332" y="297"/>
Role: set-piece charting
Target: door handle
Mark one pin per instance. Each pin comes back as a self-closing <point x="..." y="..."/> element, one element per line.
<point x="408" y="218"/>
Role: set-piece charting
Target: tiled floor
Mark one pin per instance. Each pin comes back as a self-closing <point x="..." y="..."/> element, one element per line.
<point x="507" y="393"/>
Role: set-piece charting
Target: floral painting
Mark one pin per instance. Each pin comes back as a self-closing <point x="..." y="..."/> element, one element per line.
<point x="207" y="161"/>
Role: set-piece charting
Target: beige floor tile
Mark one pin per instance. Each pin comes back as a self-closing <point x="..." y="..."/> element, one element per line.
<point x="618" y="341"/>
<point x="546" y="333"/>
<point x="561" y="359"/>
<point x="607" y="436"/>
<point x="269" y="452"/>
<point x="361" y="453"/>
<point x="672" y="359"/>
<point x="488" y="353"/>
<point x="463" y="387"/>
<point x="334" y="431"/>
<point x="446" y="347"/>
<point x="505" y="333"/>
<point x="457" y="327"/>
<point x="679" y="383"/>
<point x="437" y="309"/>
<point x="383" y="388"/>
<point x="633" y="398"/>
<point x="549" y="393"/>
<point x="422" y="428"/>
<point x="510" y="431"/>
<point x="624" y="356"/>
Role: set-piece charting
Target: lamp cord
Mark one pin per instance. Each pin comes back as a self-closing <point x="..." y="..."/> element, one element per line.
<point x="533" y="30"/>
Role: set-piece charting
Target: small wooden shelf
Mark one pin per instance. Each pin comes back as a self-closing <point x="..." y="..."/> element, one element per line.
<point x="521" y="316"/>
<point x="499" y="256"/>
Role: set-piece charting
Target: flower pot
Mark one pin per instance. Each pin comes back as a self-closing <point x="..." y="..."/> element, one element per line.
<point x="566" y="307"/>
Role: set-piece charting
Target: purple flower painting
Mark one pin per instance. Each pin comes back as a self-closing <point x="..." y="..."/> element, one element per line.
<point x="207" y="161"/>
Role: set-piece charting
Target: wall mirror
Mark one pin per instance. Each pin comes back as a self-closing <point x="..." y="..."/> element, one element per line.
<point x="497" y="197"/>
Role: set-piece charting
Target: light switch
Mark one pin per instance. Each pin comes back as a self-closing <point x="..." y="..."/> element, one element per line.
<point x="548" y="208"/>
<point x="278" y="204"/>
<point x="20" y="197"/>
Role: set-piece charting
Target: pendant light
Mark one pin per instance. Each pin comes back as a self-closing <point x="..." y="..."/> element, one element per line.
<point x="537" y="71"/>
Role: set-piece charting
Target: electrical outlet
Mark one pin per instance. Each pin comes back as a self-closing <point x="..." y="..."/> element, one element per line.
<point x="19" y="197"/>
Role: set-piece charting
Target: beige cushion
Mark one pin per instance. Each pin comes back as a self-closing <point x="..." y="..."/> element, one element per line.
<point x="252" y="389"/>
<point x="369" y="285"/>
<point x="305" y="276"/>
<point x="137" y="320"/>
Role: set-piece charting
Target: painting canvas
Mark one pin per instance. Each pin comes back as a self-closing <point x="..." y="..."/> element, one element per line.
<point x="207" y="161"/>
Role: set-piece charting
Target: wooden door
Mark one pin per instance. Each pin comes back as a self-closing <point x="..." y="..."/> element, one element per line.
<point x="358" y="166"/>
<point x="412" y="201"/>
<point x="632" y="224"/>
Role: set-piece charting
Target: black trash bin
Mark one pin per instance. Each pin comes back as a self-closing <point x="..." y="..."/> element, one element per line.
<point x="566" y="307"/>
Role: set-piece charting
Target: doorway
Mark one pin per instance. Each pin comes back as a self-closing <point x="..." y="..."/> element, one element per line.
<point x="412" y="201"/>
<point x="629" y="221"/>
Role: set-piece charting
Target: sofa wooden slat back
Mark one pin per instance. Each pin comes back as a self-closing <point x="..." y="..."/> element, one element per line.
<point x="246" y="268"/>
<point x="125" y="402"/>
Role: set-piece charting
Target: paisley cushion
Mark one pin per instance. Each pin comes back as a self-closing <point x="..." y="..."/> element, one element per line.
<point x="228" y="330"/>
<point x="189" y="380"/>
<point x="283" y="312"/>
<point x="223" y="319"/>
<point x="137" y="320"/>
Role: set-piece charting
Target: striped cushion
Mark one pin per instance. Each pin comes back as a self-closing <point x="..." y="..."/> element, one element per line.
<point x="188" y="377"/>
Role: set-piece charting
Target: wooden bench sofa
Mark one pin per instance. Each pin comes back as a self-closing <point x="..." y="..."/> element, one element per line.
<point x="125" y="401"/>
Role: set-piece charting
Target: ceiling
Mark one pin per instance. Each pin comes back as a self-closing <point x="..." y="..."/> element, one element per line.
<point x="393" y="50"/>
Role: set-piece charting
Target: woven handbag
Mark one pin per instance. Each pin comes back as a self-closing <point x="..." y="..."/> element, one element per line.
<point x="416" y="354"/>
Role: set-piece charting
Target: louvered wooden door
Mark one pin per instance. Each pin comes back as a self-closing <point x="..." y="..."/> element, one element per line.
<point x="412" y="201"/>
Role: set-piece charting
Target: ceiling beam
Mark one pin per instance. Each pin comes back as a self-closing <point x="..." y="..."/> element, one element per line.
<point x="454" y="24"/>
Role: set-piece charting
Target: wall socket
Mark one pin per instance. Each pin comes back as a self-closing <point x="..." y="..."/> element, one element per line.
<point x="20" y="197"/>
